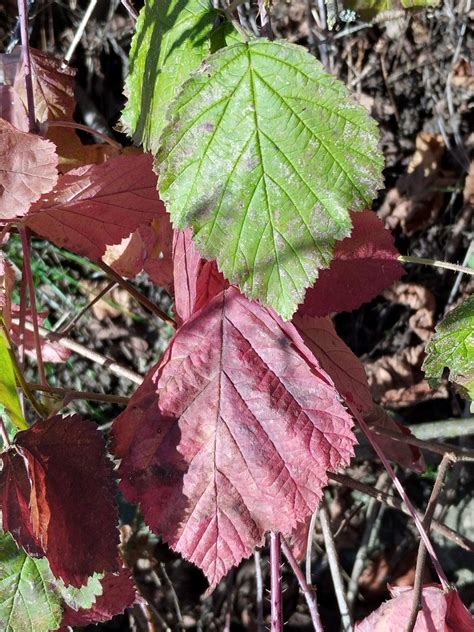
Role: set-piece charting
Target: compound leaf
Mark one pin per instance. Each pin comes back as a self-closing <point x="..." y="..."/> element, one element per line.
<point x="452" y="346"/>
<point x="263" y="156"/>
<point x="231" y="436"/>
<point x="172" y="38"/>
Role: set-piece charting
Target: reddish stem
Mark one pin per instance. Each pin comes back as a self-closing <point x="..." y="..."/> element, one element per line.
<point x="399" y="487"/>
<point x="25" y="49"/>
<point x="308" y="592"/>
<point x="275" y="583"/>
<point x="25" y="242"/>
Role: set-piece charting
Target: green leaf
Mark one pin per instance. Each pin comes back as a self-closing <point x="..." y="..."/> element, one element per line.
<point x="31" y="598"/>
<point x="171" y="39"/>
<point x="8" y="393"/>
<point x="452" y="346"/>
<point x="27" y="603"/>
<point x="368" y="9"/>
<point x="263" y="157"/>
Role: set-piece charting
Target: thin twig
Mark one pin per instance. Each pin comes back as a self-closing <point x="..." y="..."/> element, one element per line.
<point x="401" y="490"/>
<point x="444" y="429"/>
<point x="335" y="568"/>
<point x="309" y="548"/>
<point x="174" y="596"/>
<point x="436" y="264"/>
<point x="394" y="503"/>
<point x="25" y="51"/>
<point x="308" y="591"/>
<point x="370" y="519"/>
<point x="101" y="360"/>
<point x="70" y="395"/>
<point x="67" y="329"/>
<point x="461" y="454"/>
<point x="79" y="33"/>
<point x="137" y="295"/>
<point x="259" y="590"/>
<point x="275" y="583"/>
<point x="85" y="128"/>
<point x="421" y="558"/>
<point x="25" y="242"/>
<point x="130" y="9"/>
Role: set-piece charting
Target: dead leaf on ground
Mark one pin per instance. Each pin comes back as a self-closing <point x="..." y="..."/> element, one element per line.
<point x="421" y="300"/>
<point x="415" y="201"/>
<point x="114" y="303"/>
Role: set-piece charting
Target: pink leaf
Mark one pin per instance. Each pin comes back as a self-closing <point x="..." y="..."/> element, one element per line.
<point x="364" y="264"/>
<point x="53" y="86"/>
<point x="98" y="205"/>
<point x="12" y="108"/>
<point x="118" y="593"/>
<point x="231" y="435"/>
<point x="28" y="168"/>
<point x="336" y="359"/>
<point x="441" y="612"/>
<point x="57" y="497"/>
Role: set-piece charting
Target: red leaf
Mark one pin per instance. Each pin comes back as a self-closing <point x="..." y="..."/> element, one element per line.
<point x="402" y="453"/>
<point x="441" y="612"/>
<point x="196" y="281"/>
<point x="97" y="205"/>
<point x="118" y="593"/>
<point x="364" y="264"/>
<point x="57" y="497"/>
<point x="28" y="168"/>
<point x="231" y="436"/>
<point x="336" y="359"/>
<point x="12" y="108"/>
<point x="53" y="86"/>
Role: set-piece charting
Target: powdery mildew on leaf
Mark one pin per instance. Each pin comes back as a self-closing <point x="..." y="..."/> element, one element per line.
<point x="28" y="168"/>
<point x="230" y="436"/>
<point x="263" y="157"/>
<point x="364" y="264"/>
<point x="172" y="38"/>
<point x="98" y="205"/>
<point x="56" y="488"/>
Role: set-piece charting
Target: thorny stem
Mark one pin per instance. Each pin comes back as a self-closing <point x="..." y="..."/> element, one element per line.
<point x="25" y="242"/>
<point x="275" y="583"/>
<point x="398" y="485"/>
<point x="137" y="295"/>
<point x="308" y="592"/>
<point x="259" y="590"/>
<point x="395" y="503"/>
<point x="309" y="548"/>
<point x="421" y="558"/>
<point x="86" y="128"/>
<point x="436" y="264"/>
<point x="25" y="49"/>
<point x="335" y="568"/>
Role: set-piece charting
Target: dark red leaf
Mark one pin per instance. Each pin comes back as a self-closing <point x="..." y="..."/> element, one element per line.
<point x="441" y="612"/>
<point x="364" y="264"/>
<point x="28" y="168"/>
<point x="118" y="593"/>
<point x="231" y="436"/>
<point x="53" y="86"/>
<point x="57" y="497"/>
<point x="336" y="359"/>
<point x="98" y="205"/>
